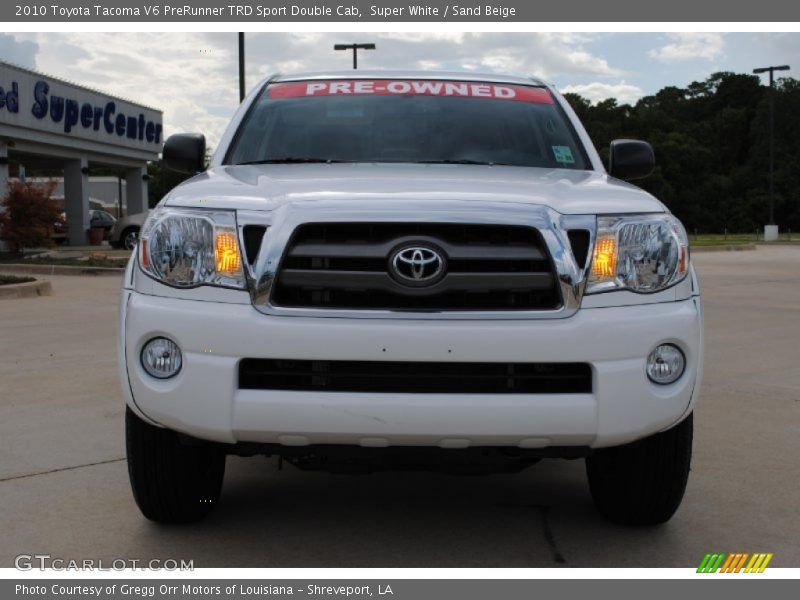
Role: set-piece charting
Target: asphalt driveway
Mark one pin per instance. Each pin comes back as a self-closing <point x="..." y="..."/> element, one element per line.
<point x="64" y="488"/>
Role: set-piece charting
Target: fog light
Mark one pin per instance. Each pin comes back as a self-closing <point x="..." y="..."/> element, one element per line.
<point x="665" y="364"/>
<point x="161" y="358"/>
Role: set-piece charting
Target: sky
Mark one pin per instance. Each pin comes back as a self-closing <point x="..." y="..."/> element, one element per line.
<point x="193" y="77"/>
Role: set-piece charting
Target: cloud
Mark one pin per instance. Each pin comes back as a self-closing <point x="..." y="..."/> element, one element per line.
<point x="18" y="52"/>
<point x="690" y="46"/>
<point x="193" y="77"/>
<point x="625" y="93"/>
<point x="546" y="55"/>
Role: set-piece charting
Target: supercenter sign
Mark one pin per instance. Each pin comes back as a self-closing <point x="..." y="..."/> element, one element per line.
<point x="36" y="102"/>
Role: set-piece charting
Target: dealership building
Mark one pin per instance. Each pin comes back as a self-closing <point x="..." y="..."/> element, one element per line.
<point x="50" y="124"/>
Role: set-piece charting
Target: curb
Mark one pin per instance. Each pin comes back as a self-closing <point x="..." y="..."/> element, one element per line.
<point x="31" y="289"/>
<point x="729" y="248"/>
<point x="60" y="270"/>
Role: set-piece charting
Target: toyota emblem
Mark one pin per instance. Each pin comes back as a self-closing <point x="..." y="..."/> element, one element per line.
<point x="417" y="265"/>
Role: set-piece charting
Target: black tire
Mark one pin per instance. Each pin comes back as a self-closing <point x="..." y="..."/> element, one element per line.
<point x="642" y="483"/>
<point x="125" y="238"/>
<point x="172" y="482"/>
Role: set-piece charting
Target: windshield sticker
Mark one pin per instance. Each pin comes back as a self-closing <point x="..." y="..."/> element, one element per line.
<point x="403" y="87"/>
<point x="563" y="154"/>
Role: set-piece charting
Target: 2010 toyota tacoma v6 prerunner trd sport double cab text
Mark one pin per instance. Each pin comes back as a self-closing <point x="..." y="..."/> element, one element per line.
<point x="410" y="270"/>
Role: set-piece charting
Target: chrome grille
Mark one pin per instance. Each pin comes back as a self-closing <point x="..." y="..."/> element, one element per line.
<point x="343" y="265"/>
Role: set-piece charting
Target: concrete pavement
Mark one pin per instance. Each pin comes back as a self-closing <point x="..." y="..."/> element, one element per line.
<point x="64" y="488"/>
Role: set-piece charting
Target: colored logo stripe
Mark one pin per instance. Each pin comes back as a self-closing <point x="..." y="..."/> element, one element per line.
<point x="758" y="563"/>
<point x="704" y="563"/>
<point x="711" y="562"/>
<point x="734" y="563"/>
<point x="732" y="558"/>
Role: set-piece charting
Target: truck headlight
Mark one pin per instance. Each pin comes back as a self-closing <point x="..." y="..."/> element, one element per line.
<point x="189" y="248"/>
<point x="640" y="253"/>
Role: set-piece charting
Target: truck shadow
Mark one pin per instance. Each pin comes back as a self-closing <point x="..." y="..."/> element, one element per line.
<point x="290" y="518"/>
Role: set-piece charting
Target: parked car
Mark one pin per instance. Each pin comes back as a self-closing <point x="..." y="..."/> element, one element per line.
<point x="97" y="218"/>
<point x="125" y="232"/>
<point x="410" y="270"/>
<point x="60" y="230"/>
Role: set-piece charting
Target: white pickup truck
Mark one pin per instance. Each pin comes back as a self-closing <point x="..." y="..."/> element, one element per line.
<point x="386" y="270"/>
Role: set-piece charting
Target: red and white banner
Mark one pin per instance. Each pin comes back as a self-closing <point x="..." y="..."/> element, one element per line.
<point x="406" y="87"/>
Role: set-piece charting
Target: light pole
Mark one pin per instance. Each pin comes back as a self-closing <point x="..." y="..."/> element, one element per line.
<point x="771" y="229"/>
<point x="355" y="48"/>
<point x="241" y="66"/>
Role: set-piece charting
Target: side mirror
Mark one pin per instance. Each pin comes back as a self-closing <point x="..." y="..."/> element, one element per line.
<point x="185" y="152"/>
<point x="631" y="159"/>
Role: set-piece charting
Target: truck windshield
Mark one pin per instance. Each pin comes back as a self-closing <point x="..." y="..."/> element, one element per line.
<point x="406" y="121"/>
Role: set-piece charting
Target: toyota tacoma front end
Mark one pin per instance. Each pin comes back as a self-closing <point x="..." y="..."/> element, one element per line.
<point x="410" y="270"/>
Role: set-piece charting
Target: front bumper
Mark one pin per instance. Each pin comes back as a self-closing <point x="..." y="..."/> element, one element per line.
<point x="204" y="401"/>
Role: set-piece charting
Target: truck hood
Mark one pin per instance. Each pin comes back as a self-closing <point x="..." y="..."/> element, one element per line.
<point x="267" y="187"/>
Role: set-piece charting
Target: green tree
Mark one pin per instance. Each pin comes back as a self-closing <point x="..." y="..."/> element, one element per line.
<point x="711" y="141"/>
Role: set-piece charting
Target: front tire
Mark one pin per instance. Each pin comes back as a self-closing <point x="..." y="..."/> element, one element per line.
<point x="172" y="482"/>
<point x="642" y="483"/>
<point x="129" y="238"/>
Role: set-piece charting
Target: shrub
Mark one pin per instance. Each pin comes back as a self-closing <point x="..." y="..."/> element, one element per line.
<point x="28" y="216"/>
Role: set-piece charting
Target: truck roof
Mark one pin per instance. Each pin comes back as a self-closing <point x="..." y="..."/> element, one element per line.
<point x="410" y="74"/>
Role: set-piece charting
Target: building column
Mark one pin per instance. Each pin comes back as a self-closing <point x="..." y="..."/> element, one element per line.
<point x="136" y="191"/>
<point x="76" y="200"/>
<point x="3" y="169"/>
<point x="3" y="181"/>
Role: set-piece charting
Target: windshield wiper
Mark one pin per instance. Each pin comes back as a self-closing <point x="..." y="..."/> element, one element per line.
<point x="459" y="161"/>
<point x="285" y="160"/>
